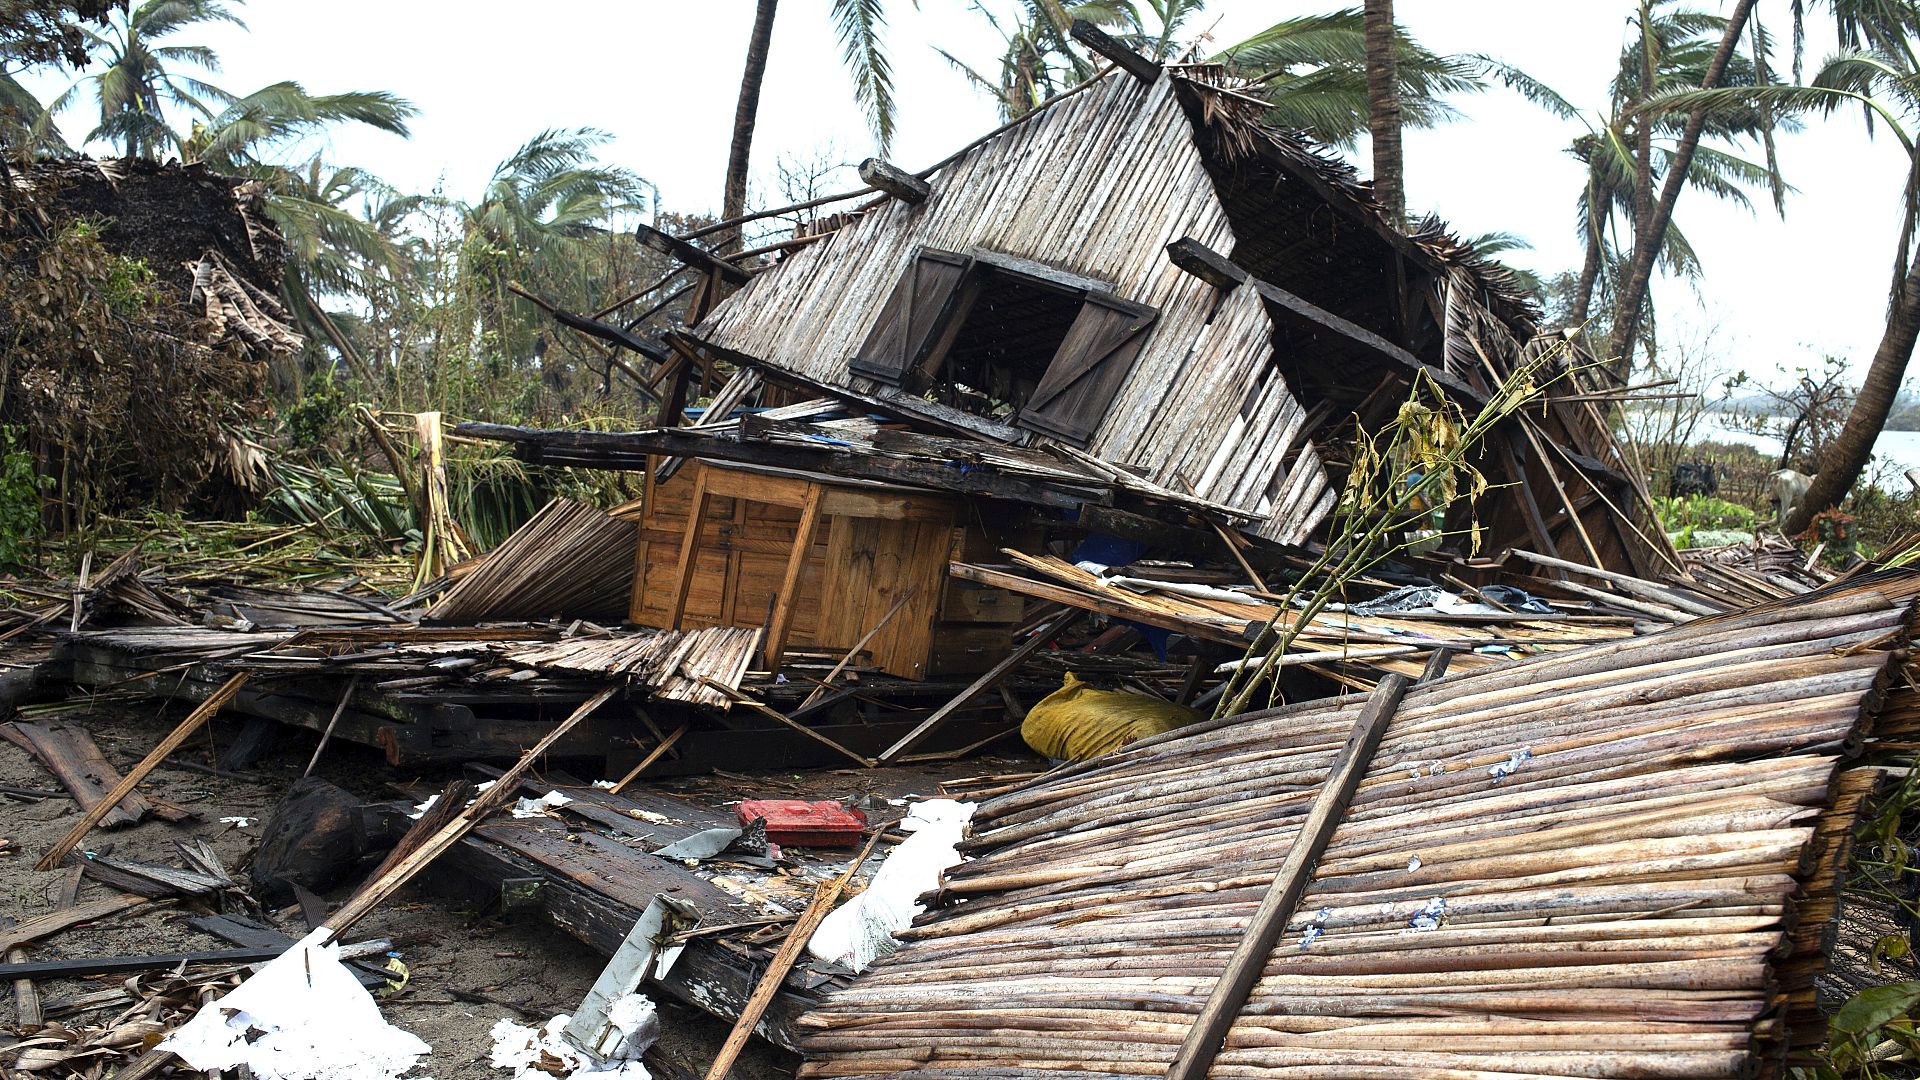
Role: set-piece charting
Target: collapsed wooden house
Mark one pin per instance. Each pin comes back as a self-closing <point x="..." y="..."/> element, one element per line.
<point x="1139" y="312"/>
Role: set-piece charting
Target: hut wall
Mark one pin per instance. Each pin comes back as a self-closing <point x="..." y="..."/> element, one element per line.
<point x="859" y="567"/>
<point x="1098" y="186"/>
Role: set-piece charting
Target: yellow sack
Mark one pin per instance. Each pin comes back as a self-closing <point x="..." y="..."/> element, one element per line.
<point x="1077" y="721"/>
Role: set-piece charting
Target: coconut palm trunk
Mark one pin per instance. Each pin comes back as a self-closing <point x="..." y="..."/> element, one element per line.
<point x="745" y="114"/>
<point x="1648" y="240"/>
<point x="1846" y="458"/>
<point x="1590" y="267"/>
<point x="1383" y="109"/>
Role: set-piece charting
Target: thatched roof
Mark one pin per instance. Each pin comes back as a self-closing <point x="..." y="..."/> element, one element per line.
<point x="1611" y="862"/>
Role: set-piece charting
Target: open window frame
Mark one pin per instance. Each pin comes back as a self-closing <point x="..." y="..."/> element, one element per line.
<point x="938" y="294"/>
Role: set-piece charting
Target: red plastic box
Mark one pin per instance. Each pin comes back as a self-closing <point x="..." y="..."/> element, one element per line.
<point x="792" y="823"/>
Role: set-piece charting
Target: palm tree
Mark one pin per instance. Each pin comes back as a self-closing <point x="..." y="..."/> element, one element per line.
<point x="1652" y="218"/>
<point x="858" y="24"/>
<point x="136" y="84"/>
<point x="1630" y="148"/>
<point x="1878" y="72"/>
<point x="1383" y="109"/>
<point x="1039" y="61"/>
<point x="1313" y="70"/>
<point x="543" y="220"/>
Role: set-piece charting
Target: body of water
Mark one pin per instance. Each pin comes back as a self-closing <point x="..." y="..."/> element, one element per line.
<point x="1900" y="450"/>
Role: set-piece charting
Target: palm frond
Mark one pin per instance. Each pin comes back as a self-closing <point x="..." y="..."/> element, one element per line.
<point x="858" y="24"/>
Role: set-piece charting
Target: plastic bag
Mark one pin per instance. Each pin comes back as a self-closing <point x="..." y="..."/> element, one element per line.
<point x="1078" y="721"/>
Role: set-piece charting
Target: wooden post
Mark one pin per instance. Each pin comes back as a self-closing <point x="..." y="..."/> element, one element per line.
<point x="1124" y="58"/>
<point x="980" y="685"/>
<point x="781" y="623"/>
<point x="375" y="892"/>
<point x="1205" y="263"/>
<point x="697" y="258"/>
<point x="898" y="183"/>
<point x="168" y="745"/>
<point x="653" y="755"/>
<point x="783" y="961"/>
<point x="689" y="550"/>
<point x="1249" y="958"/>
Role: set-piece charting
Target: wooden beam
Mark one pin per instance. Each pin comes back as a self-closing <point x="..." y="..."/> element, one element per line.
<point x="780" y="624"/>
<point x="1249" y="959"/>
<point x="772" y="979"/>
<point x="198" y="717"/>
<point x="979" y="686"/>
<point x="376" y="892"/>
<point x="1206" y="264"/>
<point x="1124" y="58"/>
<point x="631" y="450"/>
<point x="896" y="182"/>
<point x="1372" y="345"/>
<point x="595" y="328"/>
<point x="698" y="258"/>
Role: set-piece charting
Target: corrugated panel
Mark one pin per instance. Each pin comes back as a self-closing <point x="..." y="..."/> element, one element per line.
<point x="1097" y="185"/>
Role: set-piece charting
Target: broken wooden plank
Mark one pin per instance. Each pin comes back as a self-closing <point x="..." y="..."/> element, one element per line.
<point x="71" y="755"/>
<point x="1039" y="640"/>
<point x="55" y="921"/>
<point x="895" y="181"/>
<point x="1249" y="959"/>
<point x="168" y="745"/>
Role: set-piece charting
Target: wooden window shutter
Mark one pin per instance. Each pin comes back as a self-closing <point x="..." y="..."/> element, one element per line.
<point x="1088" y="370"/>
<point x="912" y="317"/>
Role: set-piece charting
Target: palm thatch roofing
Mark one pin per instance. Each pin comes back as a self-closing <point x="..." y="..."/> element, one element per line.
<point x="1614" y="862"/>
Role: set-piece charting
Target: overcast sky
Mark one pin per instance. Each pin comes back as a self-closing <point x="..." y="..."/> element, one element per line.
<point x="662" y="77"/>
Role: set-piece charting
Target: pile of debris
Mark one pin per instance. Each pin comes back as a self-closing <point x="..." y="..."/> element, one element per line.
<point x="1551" y="797"/>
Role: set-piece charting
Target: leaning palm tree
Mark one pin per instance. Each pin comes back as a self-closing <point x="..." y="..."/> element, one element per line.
<point x="858" y="24"/>
<point x="1631" y="149"/>
<point x="137" y="82"/>
<point x="545" y="219"/>
<point x="1884" y="80"/>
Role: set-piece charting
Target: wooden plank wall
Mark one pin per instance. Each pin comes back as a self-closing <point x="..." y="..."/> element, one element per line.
<point x="858" y="569"/>
<point x="1097" y="185"/>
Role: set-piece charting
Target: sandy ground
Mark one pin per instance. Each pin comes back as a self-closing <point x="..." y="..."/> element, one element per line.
<point x="468" y="970"/>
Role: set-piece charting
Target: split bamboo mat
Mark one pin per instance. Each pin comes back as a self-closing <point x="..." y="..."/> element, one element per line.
<point x="1610" y="862"/>
<point x="678" y="665"/>
<point x="570" y="557"/>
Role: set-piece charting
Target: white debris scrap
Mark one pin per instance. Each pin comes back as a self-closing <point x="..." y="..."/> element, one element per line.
<point x="237" y="822"/>
<point x="1508" y="767"/>
<point x="542" y="1053"/>
<point x="301" y="1017"/>
<point x="861" y="931"/>
<point x="532" y="808"/>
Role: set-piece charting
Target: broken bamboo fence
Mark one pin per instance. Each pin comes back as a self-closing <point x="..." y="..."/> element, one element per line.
<point x="1583" y="864"/>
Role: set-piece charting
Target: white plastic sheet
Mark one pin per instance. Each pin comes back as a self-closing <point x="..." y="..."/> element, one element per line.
<point x="301" y="1017"/>
<point x="861" y="931"/>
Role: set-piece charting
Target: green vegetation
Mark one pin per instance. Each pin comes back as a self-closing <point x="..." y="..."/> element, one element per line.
<point x="20" y="488"/>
